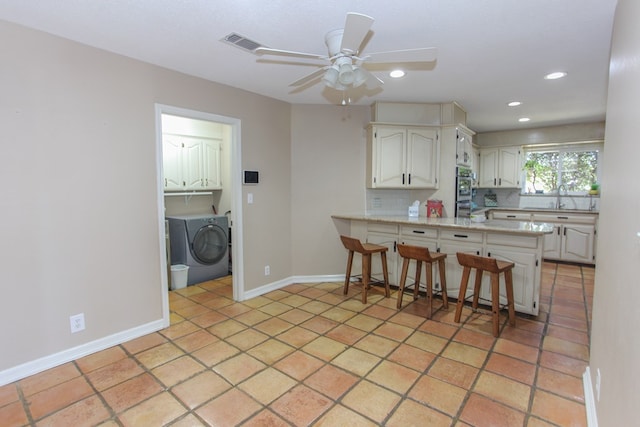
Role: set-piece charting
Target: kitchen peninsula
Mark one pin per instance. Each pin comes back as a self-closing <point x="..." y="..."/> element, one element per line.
<point x="520" y="242"/>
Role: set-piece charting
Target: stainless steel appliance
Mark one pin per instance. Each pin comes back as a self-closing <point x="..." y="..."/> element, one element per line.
<point x="464" y="192"/>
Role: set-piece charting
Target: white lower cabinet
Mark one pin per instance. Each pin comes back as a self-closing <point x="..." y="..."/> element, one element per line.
<point x="384" y="235"/>
<point x="525" y="272"/>
<point x="525" y="251"/>
<point x="452" y="242"/>
<point x="426" y="238"/>
<point x="553" y="243"/>
<point x="578" y="242"/>
<point x="573" y="237"/>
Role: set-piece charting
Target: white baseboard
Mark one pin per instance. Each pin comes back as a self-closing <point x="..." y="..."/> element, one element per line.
<point x="318" y="279"/>
<point x="589" y="401"/>
<point x="288" y="281"/>
<point x="51" y="361"/>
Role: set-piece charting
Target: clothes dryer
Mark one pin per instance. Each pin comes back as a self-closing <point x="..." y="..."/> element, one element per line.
<point x="202" y="243"/>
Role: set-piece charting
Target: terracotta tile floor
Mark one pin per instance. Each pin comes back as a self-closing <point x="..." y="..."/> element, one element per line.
<point x="307" y="355"/>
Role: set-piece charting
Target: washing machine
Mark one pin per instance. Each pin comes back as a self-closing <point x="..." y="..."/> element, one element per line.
<point x="202" y="243"/>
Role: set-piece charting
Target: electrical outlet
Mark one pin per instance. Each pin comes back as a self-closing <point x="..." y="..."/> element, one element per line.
<point x="598" y="384"/>
<point x="77" y="323"/>
<point x="267" y="270"/>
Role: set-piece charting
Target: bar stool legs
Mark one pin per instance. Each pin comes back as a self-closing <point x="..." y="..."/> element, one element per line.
<point x="365" y="249"/>
<point x="494" y="268"/>
<point x="420" y="255"/>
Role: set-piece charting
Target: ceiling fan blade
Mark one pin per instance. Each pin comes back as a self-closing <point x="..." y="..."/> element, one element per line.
<point x="372" y="80"/>
<point x="309" y="77"/>
<point x="424" y="54"/>
<point x="270" y="51"/>
<point x="356" y="28"/>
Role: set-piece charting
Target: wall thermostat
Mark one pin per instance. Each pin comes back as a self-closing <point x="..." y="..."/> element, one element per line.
<point x="250" y="177"/>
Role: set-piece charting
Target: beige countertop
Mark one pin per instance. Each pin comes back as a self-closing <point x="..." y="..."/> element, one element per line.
<point x="504" y="226"/>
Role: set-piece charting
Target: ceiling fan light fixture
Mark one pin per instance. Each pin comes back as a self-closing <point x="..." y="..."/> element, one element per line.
<point x="396" y="74"/>
<point x="330" y="77"/>
<point x="346" y="76"/>
<point x="360" y="76"/>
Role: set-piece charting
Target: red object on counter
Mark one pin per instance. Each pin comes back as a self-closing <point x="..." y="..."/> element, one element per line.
<point x="434" y="208"/>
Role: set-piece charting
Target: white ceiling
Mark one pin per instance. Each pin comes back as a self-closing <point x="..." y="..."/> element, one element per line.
<point x="490" y="52"/>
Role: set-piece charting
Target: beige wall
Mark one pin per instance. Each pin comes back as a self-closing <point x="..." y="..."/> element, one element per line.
<point x="547" y="135"/>
<point x="615" y="343"/>
<point x="80" y="230"/>
<point x="328" y="165"/>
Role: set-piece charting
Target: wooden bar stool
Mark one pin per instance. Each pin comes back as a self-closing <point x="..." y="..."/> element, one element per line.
<point x="422" y="255"/>
<point x="494" y="267"/>
<point x="365" y="249"/>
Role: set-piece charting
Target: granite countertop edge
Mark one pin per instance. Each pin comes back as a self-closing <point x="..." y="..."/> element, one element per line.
<point x="502" y="226"/>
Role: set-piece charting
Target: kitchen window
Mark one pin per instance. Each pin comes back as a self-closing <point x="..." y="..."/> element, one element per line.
<point x="574" y="168"/>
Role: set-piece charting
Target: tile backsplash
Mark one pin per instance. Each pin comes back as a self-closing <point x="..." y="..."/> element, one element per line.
<point x="395" y="202"/>
<point x="511" y="198"/>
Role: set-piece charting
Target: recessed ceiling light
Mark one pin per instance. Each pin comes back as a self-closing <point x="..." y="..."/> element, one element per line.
<point x="514" y="103"/>
<point x="524" y="119"/>
<point x="396" y="74"/>
<point x="556" y="75"/>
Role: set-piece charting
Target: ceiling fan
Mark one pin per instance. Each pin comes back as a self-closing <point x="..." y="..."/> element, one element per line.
<point x="346" y="68"/>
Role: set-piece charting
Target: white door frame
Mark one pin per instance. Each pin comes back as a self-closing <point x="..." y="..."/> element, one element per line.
<point x="236" y="198"/>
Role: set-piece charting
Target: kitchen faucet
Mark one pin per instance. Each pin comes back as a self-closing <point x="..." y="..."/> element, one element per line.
<point x="559" y="204"/>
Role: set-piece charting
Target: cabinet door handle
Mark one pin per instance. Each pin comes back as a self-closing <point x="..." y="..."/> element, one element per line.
<point x="499" y="181"/>
<point x="478" y="253"/>
<point x="564" y="231"/>
<point x="558" y="231"/>
<point x="394" y="246"/>
<point x="402" y="179"/>
<point x="409" y="179"/>
<point x="495" y="182"/>
<point x="563" y="217"/>
<point x="464" y="236"/>
<point x="418" y="231"/>
<point x="511" y="216"/>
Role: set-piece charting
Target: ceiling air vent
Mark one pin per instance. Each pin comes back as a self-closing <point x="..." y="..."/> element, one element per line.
<point x="241" y="42"/>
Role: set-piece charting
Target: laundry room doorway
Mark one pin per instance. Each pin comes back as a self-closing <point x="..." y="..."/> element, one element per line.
<point x="188" y="141"/>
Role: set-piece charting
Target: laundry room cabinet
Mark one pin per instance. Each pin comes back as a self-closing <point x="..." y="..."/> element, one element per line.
<point x="405" y="157"/>
<point x="190" y="164"/>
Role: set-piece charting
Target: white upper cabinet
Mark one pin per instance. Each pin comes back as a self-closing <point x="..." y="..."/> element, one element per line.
<point x="500" y="167"/>
<point x="211" y="164"/>
<point x="190" y="163"/>
<point x="464" y="147"/>
<point x="172" y="163"/>
<point x="403" y="157"/>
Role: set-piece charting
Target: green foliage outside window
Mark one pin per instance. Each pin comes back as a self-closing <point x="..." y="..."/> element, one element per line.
<point x="546" y="171"/>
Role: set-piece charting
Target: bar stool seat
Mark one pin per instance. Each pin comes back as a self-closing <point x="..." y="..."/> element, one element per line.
<point x="494" y="268"/>
<point x="365" y="249"/>
<point x="422" y="255"/>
